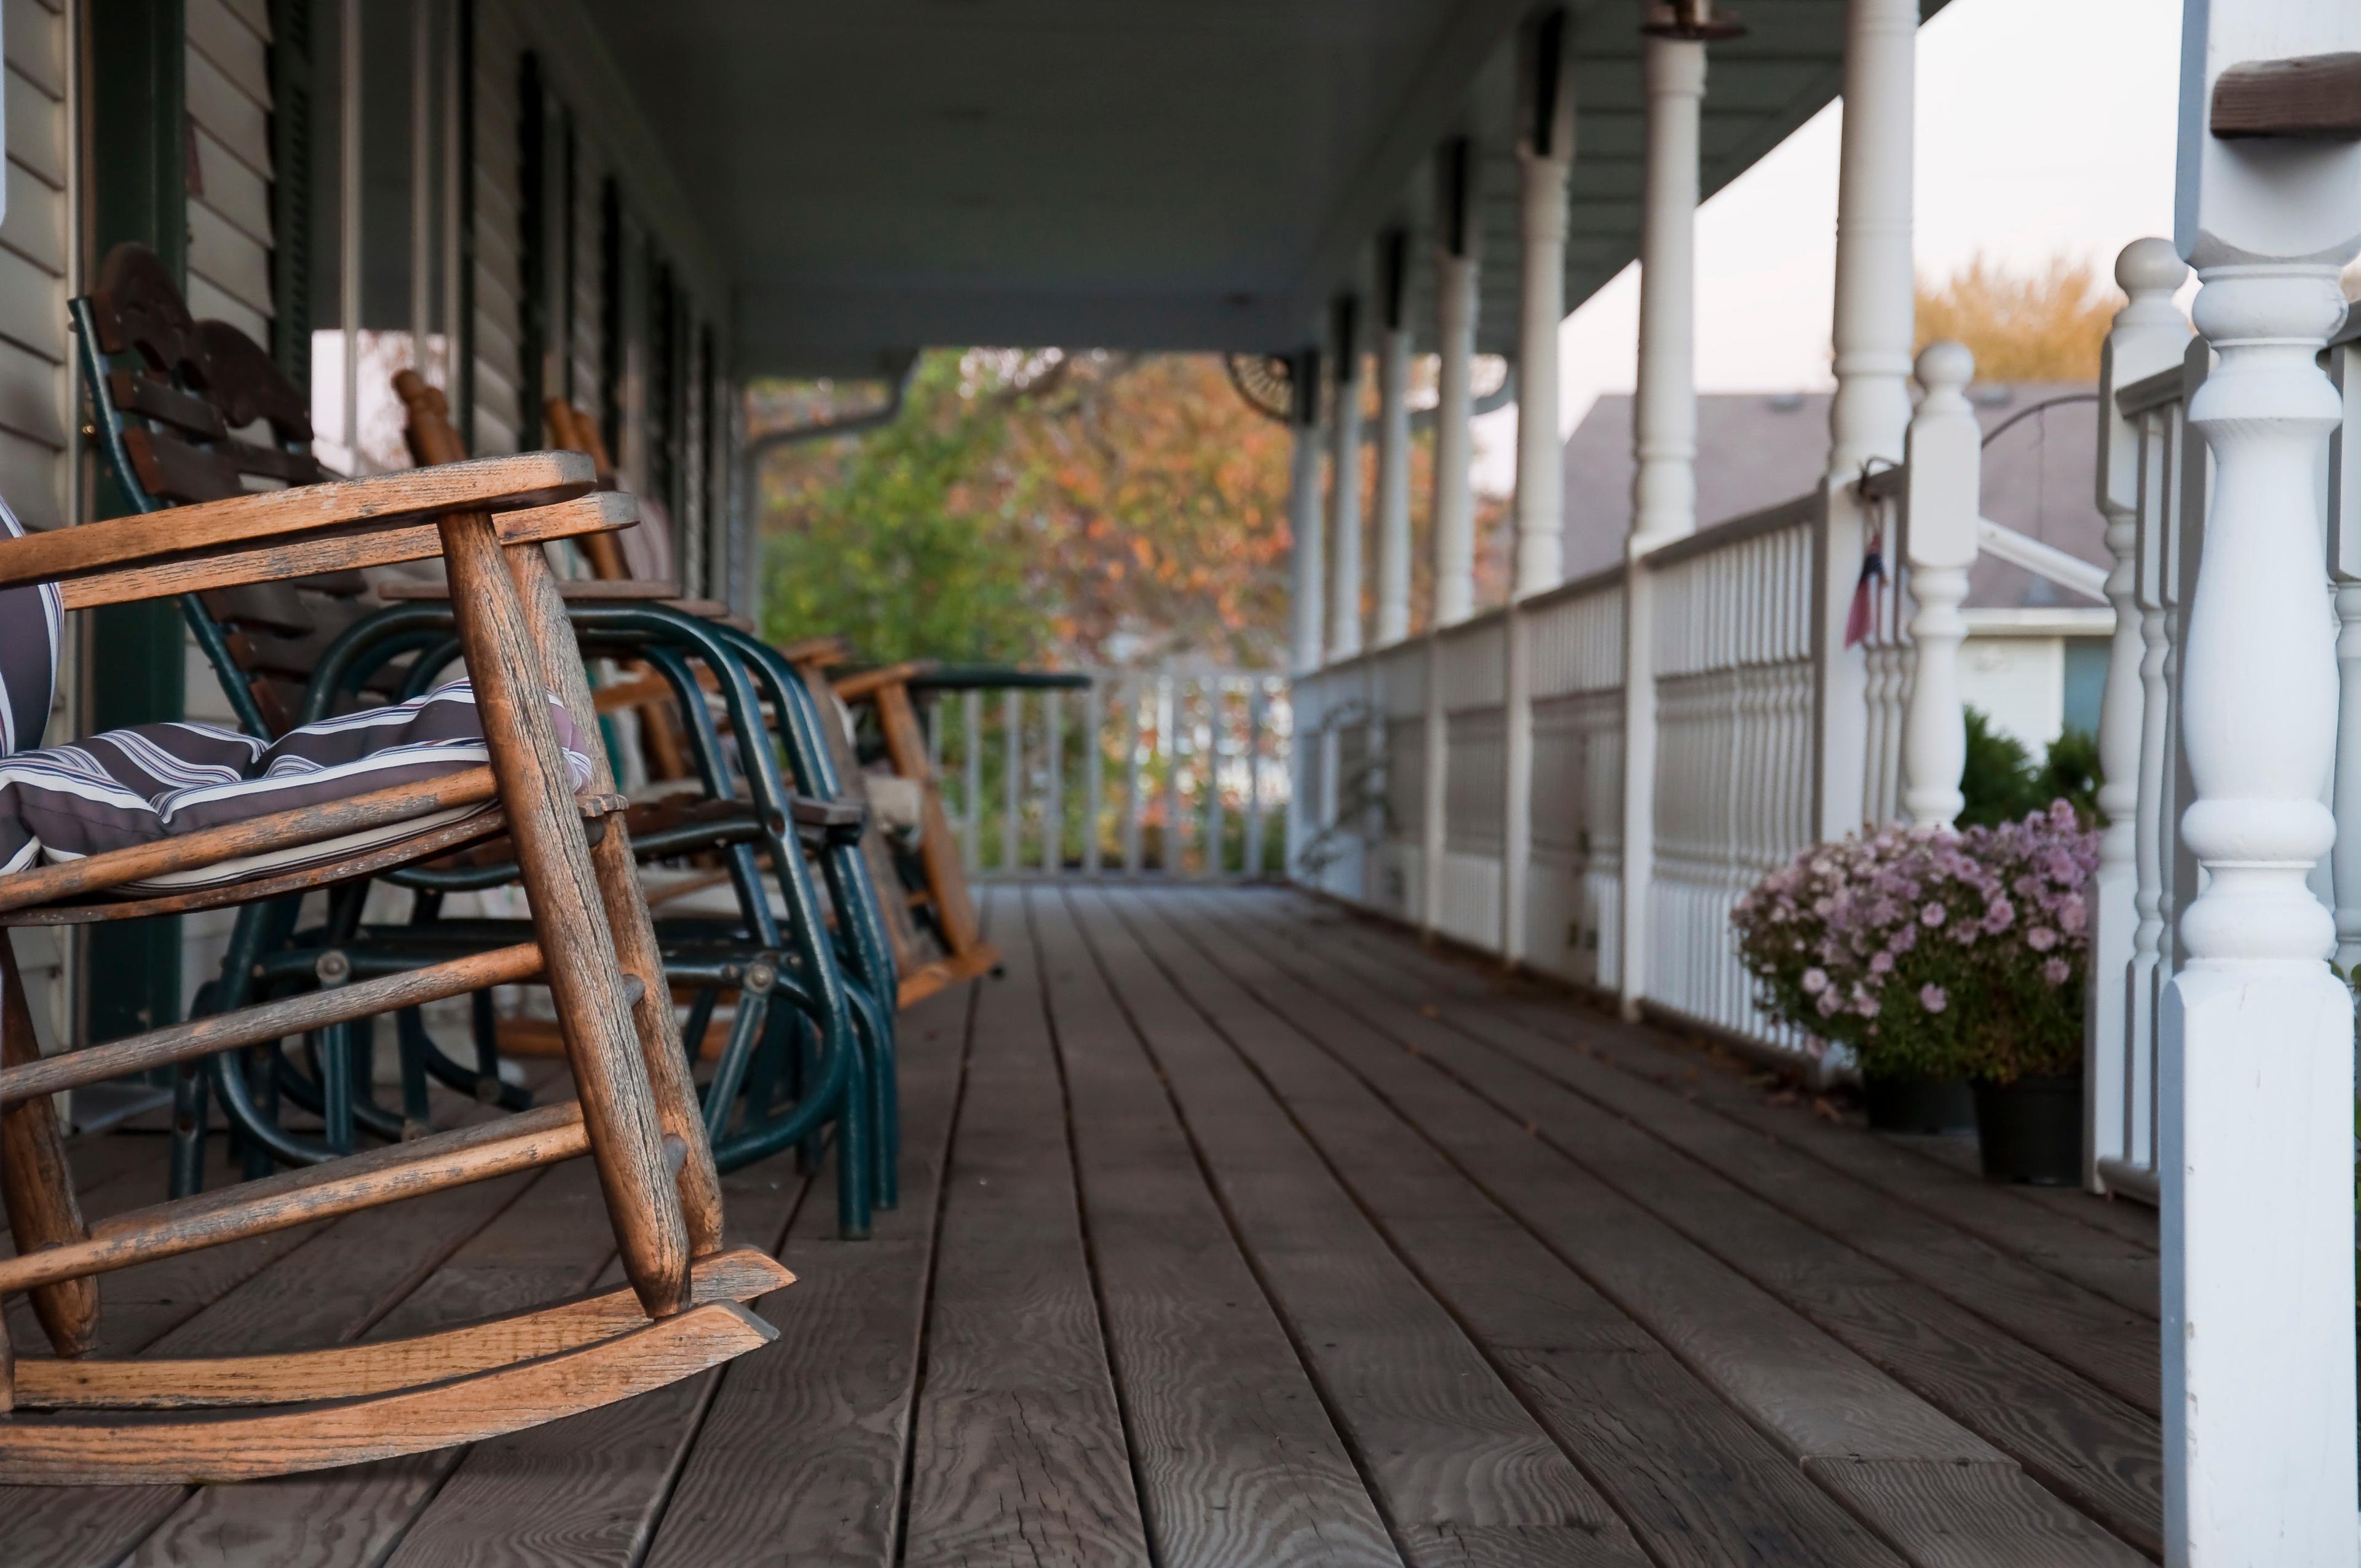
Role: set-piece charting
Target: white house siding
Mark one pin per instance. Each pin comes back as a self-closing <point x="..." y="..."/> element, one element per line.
<point x="38" y="387"/>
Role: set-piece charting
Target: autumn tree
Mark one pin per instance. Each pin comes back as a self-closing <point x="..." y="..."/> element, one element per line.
<point x="2046" y="324"/>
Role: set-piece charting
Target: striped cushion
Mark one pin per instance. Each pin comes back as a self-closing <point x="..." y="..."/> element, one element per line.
<point x="32" y="628"/>
<point x="157" y="781"/>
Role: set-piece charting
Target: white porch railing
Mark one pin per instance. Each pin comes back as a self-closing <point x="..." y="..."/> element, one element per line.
<point x="1733" y="695"/>
<point x="1735" y="670"/>
<point x="1179" y="772"/>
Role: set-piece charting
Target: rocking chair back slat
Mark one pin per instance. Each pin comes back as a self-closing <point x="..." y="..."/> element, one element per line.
<point x="171" y="397"/>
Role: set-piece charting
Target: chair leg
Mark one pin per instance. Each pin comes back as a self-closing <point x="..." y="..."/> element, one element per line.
<point x="657" y="1029"/>
<point x="569" y="918"/>
<point x="36" y="1183"/>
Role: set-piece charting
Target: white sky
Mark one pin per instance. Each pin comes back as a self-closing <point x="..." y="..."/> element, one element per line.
<point x="2044" y="126"/>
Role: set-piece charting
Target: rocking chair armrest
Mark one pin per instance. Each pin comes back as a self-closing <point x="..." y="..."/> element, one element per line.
<point x="381" y="543"/>
<point x="379" y="502"/>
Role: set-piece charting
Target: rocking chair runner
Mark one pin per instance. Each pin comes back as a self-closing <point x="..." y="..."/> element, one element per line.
<point x="593" y="945"/>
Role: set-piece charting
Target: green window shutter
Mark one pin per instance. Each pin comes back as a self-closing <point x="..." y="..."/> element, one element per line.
<point x="291" y="133"/>
<point x="532" y="221"/>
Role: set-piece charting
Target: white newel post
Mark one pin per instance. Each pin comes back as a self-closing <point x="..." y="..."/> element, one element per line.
<point x="1345" y="488"/>
<point x="1945" y="448"/>
<point x="2256" y="1152"/>
<point x="1664" y="440"/>
<point x="1393" y="442"/>
<point x="2148" y="336"/>
<point x="1870" y="410"/>
<point x="1546" y="156"/>
<point x="1454" y="491"/>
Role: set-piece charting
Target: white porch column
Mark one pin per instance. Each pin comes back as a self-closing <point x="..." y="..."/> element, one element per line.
<point x="1345" y="488"/>
<point x="1307" y="577"/>
<point x="1867" y="419"/>
<point x="2256" y="1151"/>
<point x="1455" y="445"/>
<point x="1454" y="491"/>
<point x="1393" y="441"/>
<point x="1545" y="158"/>
<point x="2148" y="336"/>
<point x="1545" y="155"/>
<point x="1664" y="442"/>
<point x="1945" y="448"/>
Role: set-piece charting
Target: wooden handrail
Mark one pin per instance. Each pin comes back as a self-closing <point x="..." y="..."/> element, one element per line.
<point x="506" y="483"/>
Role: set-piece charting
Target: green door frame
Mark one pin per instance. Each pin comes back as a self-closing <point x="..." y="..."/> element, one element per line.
<point x="140" y="165"/>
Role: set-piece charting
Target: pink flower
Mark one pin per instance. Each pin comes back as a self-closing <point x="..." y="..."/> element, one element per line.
<point x="2055" y="970"/>
<point x="1815" y="982"/>
<point x="2041" y="938"/>
<point x="2073" y="915"/>
<point x="1828" y="1003"/>
<point x="1933" y="998"/>
<point x="1865" y="1005"/>
<point x="1934" y="915"/>
<point x="1881" y="963"/>
<point x="1999" y="914"/>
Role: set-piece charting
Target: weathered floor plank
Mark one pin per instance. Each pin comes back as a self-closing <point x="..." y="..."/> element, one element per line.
<point x="2113" y="1347"/>
<point x="1698" y="1483"/>
<point x="800" y="1459"/>
<point x="2106" y="1245"/>
<point x="1019" y="1455"/>
<point x="1836" y="1290"/>
<point x="1464" y="1471"/>
<point x="1237" y="1460"/>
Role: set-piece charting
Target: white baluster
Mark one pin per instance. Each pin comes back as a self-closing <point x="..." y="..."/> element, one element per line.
<point x="1093" y="770"/>
<point x="2148" y="336"/>
<point x="1012" y="781"/>
<point x="972" y="779"/>
<point x="2256" y="1155"/>
<point x="1945" y="457"/>
<point x="1256" y="697"/>
<point x="1133" y="690"/>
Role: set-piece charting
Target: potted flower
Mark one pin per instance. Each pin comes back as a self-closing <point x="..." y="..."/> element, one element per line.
<point x="2026" y="1052"/>
<point x="1936" y="956"/>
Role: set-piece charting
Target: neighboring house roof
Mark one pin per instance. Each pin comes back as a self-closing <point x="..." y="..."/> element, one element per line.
<point x="1757" y="449"/>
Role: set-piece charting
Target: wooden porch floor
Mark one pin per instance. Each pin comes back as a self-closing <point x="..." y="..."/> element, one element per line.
<point x="1236" y="1232"/>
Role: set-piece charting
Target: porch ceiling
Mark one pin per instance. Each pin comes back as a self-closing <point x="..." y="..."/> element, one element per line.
<point x="884" y="174"/>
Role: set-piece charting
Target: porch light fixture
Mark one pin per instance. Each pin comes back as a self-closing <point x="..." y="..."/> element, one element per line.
<point x="1692" y="19"/>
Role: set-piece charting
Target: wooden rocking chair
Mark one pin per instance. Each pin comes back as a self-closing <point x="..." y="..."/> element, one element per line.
<point x="594" y="946"/>
<point x="172" y="400"/>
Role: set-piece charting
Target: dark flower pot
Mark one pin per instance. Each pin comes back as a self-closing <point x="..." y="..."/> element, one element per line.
<point x="2031" y="1131"/>
<point x="1918" y="1103"/>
